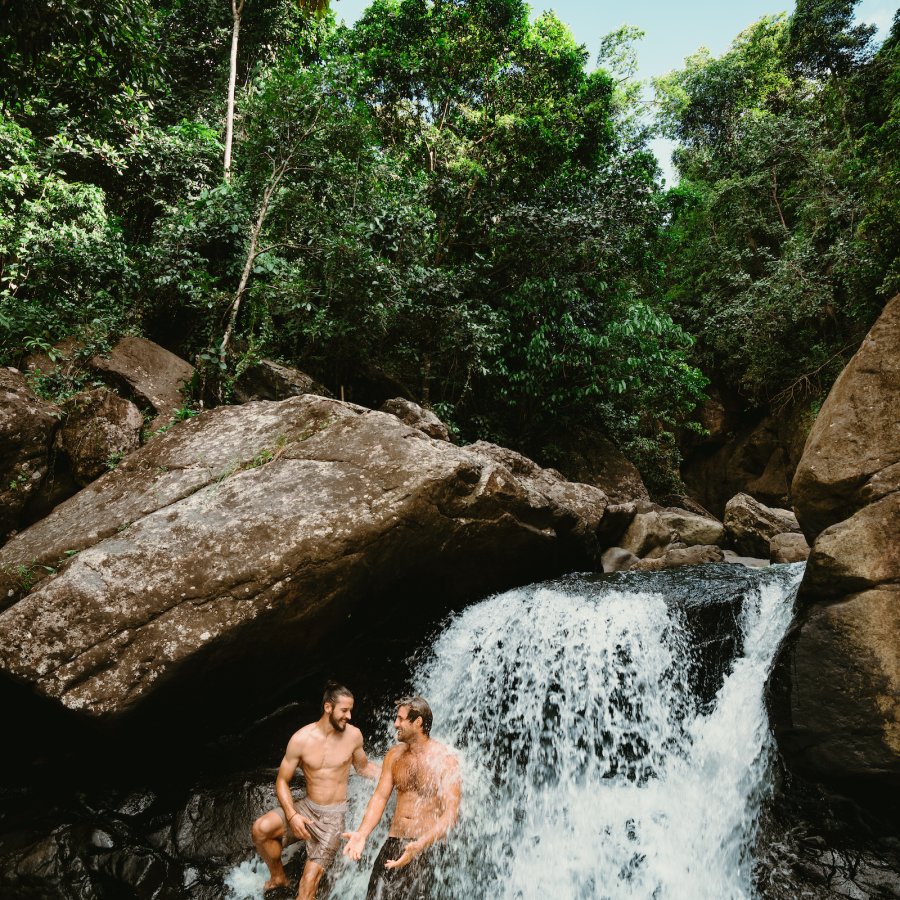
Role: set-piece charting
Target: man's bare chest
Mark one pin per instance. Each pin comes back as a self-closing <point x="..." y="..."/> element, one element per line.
<point x="325" y="756"/>
<point x="415" y="775"/>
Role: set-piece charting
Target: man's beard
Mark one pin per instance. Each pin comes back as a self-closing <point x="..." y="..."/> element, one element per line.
<point x="337" y="724"/>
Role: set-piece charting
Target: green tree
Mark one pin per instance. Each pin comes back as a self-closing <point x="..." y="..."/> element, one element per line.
<point x="768" y="263"/>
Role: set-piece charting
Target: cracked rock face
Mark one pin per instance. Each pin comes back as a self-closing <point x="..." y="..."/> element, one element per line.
<point x="835" y="692"/>
<point x="253" y="532"/>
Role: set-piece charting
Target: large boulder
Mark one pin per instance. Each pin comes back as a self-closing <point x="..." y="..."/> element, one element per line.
<point x="789" y="547"/>
<point x="417" y="417"/>
<point x="853" y="450"/>
<point x="267" y="380"/>
<point x="648" y="531"/>
<point x="27" y="425"/>
<point x="751" y="525"/>
<point x="222" y="554"/>
<point x="147" y="373"/>
<point x="693" y="528"/>
<point x="100" y="428"/>
<point x="834" y="694"/>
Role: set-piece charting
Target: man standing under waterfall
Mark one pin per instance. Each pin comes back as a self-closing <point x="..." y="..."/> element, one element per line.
<point x="323" y="750"/>
<point x="426" y="776"/>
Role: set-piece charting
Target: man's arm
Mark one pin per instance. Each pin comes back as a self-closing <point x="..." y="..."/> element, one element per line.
<point x="362" y="764"/>
<point x="292" y="758"/>
<point x="356" y="840"/>
<point x="450" y="798"/>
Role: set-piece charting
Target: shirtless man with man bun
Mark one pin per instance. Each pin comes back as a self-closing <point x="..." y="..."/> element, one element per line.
<point x="426" y="776"/>
<point x="324" y="751"/>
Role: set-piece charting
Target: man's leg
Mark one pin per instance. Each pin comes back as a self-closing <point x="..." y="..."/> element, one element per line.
<point x="267" y="832"/>
<point x="309" y="880"/>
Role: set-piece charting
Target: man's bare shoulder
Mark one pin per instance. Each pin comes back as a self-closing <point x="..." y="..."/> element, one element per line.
<point x="443" y="756"/>
<point x="301" y="737"/>
<point x="353" y="735"/>
<point x="439" y="749"/>
<point x="396" y="752"/>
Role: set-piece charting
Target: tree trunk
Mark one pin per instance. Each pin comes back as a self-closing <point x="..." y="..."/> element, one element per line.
<point x="237" y="7"/>
<point x="252" y="255"/>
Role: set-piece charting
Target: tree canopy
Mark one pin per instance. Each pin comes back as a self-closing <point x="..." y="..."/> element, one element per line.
<point x="446" y="201"/>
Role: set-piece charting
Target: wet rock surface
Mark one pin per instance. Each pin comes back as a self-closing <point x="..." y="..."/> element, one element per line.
<point x="816" y="847"/>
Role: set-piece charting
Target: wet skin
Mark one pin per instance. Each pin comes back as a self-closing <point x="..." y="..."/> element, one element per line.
<point x="425" y="774"/>
<point x="323" y="751"/>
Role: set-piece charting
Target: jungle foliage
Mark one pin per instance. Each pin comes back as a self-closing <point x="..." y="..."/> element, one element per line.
<point x="783" y="237"/>
<point x="444" y="201"/>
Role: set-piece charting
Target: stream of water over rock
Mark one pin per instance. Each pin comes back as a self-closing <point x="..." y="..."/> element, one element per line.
<point x="611" y="746"/>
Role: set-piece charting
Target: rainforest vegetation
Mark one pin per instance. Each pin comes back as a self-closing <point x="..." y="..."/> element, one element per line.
<point x="451" y="201"/>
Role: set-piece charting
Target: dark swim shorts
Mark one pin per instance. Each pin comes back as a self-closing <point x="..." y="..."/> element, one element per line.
<point x="412" y="882"/>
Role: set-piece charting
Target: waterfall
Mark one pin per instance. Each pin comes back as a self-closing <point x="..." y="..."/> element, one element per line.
<point x="591" y="767"/>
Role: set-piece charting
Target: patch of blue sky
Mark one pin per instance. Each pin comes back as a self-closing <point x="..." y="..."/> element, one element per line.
<point x="672" y="32"/>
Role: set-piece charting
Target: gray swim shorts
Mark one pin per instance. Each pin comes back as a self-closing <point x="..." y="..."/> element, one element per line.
<point x="326" y="829"/>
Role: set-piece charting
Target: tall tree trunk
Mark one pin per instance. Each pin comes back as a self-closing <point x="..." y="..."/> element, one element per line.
<point x="237" y="8"/>
<point x="252" y="254"/>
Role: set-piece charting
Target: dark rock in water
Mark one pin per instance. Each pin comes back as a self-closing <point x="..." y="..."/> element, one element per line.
<point x="139" y="847"/>
<point x="811" y="845"/>
<point x="834" y="695"/>
<point x="78" y="861"/>
<point x="708" y="599"/>
<point x="243" y="540"/>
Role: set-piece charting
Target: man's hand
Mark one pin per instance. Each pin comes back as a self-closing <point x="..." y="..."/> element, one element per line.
<point x="355" y="844"/>
<point x="298" y="826"/>
<point x="410" y="852"/>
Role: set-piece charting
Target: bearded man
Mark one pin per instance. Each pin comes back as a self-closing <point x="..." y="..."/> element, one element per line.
<point x="323" y="750"/>
<point x="425" y="774"/>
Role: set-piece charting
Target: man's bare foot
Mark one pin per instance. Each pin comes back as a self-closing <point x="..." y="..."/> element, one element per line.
<point x="273" y="883"/>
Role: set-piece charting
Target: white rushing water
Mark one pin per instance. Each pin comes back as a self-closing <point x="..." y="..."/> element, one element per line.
<point x="590" y="768"/>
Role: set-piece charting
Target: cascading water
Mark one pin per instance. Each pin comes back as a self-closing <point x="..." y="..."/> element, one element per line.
<point x="592" y="769"/>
